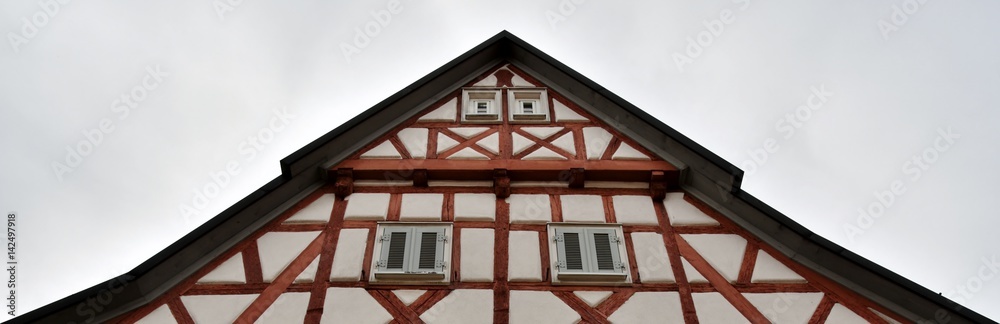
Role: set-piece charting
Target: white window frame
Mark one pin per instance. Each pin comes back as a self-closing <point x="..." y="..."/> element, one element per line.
<point x="540" y="103"/>
<point x="471" y="98"/>
<point x="561" y="268"/>
<point x="411" y="271"/>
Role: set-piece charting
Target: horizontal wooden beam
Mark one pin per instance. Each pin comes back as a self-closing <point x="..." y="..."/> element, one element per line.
<point x="517" y="170"/>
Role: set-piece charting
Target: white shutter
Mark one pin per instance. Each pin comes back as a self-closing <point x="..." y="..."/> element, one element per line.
<point x="428" y="253"/>
<point x="395" y="249"/>
<point x="572" y="247"/>
<point x="604" y="243"/>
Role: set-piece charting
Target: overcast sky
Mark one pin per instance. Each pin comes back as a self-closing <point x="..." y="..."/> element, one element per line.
<point x="114" y="117"/>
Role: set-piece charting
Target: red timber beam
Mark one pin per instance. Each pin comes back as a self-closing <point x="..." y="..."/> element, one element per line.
<point x="574" y="171"/>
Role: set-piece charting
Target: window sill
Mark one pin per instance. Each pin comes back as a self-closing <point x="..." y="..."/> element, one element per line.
<point x="582" y="276"/>
<point x="410" y="276"/>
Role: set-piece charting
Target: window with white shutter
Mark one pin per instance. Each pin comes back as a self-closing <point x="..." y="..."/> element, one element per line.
<point x="411" y="252"/>
<point x="588" y="253"/>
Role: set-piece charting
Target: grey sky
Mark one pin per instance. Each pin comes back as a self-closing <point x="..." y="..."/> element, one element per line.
<point x="889" y="90"/>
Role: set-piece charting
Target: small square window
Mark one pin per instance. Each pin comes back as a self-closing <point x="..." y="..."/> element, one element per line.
<point x="528" y="106"/>
<point x="588" y="253"/>
<point x="408" y="252"/>
<point x="480" y="106"/>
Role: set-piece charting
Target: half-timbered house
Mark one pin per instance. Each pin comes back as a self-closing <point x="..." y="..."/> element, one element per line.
<point x="504" y="187"/>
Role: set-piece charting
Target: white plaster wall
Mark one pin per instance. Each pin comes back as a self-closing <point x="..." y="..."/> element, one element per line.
<point x="528" y="306"/>
<point x="650" y="307"/>
<point x="462" y="306"/>
<point x="524" y="261"/>
<point x="627" y="152"/>
<point x="520" y="143"/>
<point x="518" y="81"/>
<point x="288" y="308"/>
<point x="767" y="269"/>
<point x="352" y="305"/>
<point x="421" y="207"/>
<point x="841" y="315"/>
<point x="786" y="307"/>
<point x="455" y="183"/>
<point x="367" y="206"/>
<point x="530" y="209"/>
<point x="477" y="255"/>
<point x="634" y="210"/>
<point x="491" y="143"/>
<point x="566" y="143"/>
<point x="349" y="254"/>
<point x="216" y="308"/>
<point x="230" y="271"/>
<point x="161" y="315"/>
<point x="564" y="114"/>
<point x="723" y="251"/>
<point x="468" y="154"/>
<point x="682" y="213"/>
<point x="383" y="151"/>
<point x="370" y="183"/>
<point x="488" y="81"/>
<point x="542" y="132"/>
<point x="445" y="143"/>
<point x="415" y="141"/>
<point x="446" y="112"/>
<point x="468" y="132"/>
<point x="408" y="296"/>
<point x="278" y="249"/>
<point x="596" y="140"/>
<point x="316" y="212"/>
<point x="543" y="153"/>
<point x="651" y="258"/>
<point x="616" y="184"/>
<point x="713" y="308"/>
<point x="552" y="184"/>
<point x="475" y="207"/>
<point x="593" y="298"/>
<point x="582" y="208"/>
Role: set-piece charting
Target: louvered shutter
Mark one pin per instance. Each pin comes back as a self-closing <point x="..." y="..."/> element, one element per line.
<point x="428" y="250"/>
<point x="395" y="249"/>
<point x="604" y="243"/>
<point x="572" y="246"/>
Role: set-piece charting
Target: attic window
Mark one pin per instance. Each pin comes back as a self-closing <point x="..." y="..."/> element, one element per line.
<point x="528" y="106"/>
<point x="481" y="106"/>
<point x="587" y="253"/>
<point x="411" y="252"/>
